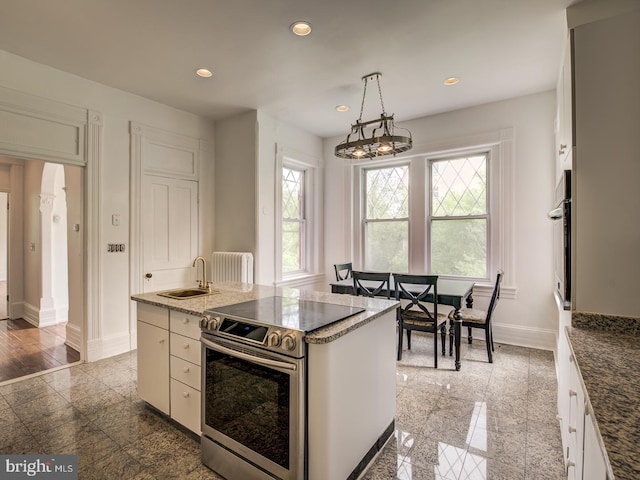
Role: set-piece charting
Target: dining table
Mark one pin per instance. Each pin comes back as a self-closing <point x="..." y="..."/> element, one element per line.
<point x="453" y="292"/>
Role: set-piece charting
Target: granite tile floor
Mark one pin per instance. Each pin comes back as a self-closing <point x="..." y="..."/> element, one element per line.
<point x="487" y="421"/>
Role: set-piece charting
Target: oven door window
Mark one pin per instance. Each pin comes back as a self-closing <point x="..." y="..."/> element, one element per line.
<point x="250" y="404"/>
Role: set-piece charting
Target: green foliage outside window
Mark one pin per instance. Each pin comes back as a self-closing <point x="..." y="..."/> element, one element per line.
<point x="459" y="217"/>
<point x="292" y="219"/>
<point x="387" y="223"/>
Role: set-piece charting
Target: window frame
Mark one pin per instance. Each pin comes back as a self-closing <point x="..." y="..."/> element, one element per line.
<point x="290" y="158"/>
<point x="366" y="221"/>
<point x="430" y="160"/>
<point x="301" y="221"/>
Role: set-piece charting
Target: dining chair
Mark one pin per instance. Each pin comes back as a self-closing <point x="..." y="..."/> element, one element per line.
<point x="343" y="270"/>
<point x="415" y="313"/>
<point x="377" y="284"/>
<point x="476" y="318"/>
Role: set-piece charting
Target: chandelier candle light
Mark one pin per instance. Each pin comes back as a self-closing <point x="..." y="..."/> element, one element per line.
<point x="381" y="139"/>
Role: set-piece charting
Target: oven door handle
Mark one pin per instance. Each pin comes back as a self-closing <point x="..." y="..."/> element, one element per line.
<point x="250" y="358"/>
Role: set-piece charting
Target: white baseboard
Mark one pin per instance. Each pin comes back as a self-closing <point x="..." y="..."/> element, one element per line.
<point x="28" y="312"/>
<point x="37" y="317"/>
<point x="73" y="336"/>
<point x="47" y="317"/>
<point x="542" y="339"/>
<point x="107" y="347"/>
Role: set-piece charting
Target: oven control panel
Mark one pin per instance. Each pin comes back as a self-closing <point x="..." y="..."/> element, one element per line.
<point x="272" y="338"/>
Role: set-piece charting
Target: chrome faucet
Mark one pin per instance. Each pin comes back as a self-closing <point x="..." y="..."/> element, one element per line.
<point x="202" y="283"/>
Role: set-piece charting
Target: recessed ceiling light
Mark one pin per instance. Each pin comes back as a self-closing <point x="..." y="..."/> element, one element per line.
<point x="342" y="108"/>
<point x="451" y="81"/>
<point x="300" y="28"/>
<point x="203" y="72"/>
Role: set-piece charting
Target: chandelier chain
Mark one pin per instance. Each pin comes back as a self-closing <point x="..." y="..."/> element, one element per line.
<point x="384" y="112"/>
<point x="364" y="94"/>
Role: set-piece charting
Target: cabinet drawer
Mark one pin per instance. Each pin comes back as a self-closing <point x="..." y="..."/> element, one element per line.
<point x="185" y="324"/>
<point x="186" y="372"/>
<point x="185" y="348"/>
<point x="185" y="405"/>
<point x="153" y="315"/>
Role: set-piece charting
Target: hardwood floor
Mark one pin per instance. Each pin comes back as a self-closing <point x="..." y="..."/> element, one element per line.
<point x="25" y="349"/>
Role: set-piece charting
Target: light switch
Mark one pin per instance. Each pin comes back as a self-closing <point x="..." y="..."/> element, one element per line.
<point x="115" y="220"/>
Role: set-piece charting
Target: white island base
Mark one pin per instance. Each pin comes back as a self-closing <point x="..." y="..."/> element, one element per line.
<point x="351" y="399"/>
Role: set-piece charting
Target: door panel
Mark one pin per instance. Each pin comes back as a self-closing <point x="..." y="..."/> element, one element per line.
<point x="170" y="232"/>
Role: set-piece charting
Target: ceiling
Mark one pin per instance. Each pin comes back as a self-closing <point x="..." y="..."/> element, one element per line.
<point x="499" y="49"/>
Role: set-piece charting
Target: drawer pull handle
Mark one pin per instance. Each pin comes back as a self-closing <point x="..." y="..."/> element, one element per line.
<point x="573" y="393"/>
<point x="186" y="345"/>
<point x="572" y="429"/>
<point x="185" y="394"/>
<point x="186" y="320"/>
<point x="161" y="340"/>
<point x="570" y="464"/>
<point x="186" y="369"/>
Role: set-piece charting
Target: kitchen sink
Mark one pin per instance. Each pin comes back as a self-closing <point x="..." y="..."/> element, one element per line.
<point x="185" y="293"/>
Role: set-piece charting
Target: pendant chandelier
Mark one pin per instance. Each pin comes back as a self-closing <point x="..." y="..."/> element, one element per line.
<point x="373" y="138"/>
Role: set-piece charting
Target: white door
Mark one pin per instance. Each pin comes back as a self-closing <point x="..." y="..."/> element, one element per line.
<point x="169" y="214"/>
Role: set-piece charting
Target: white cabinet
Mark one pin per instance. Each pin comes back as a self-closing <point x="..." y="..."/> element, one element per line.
<point x="564" y="117"/>
<point x="583" y="456"/>
<point x="153" y="356"/>
<point x="594" y="467"/>
<point x="575" y="425"/>
<point x="169" y="363"/>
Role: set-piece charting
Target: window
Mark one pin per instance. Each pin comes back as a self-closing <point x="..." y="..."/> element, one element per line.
<point x="447" y="210"/>
<point x="293" y="220"/>
<point x="386" y="219"/>
<point x="459" y="220"/>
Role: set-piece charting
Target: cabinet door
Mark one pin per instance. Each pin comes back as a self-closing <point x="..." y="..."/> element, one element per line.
<point x="153" y="365"/>
<point x="594" y="463"/>
<point x="185" y="405"/>
<point x="563" y="388"/>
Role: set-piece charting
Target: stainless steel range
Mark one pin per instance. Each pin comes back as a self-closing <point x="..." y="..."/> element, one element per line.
<point x="254" y="381"/>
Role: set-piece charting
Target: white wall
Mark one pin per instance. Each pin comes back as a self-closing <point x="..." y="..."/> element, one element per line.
<point x="302" y="146"/>
<point x="245" y="180"/>
<point x="530" y="318"/>
<point x="118" y="108"/>
<point x="235" y="184"/>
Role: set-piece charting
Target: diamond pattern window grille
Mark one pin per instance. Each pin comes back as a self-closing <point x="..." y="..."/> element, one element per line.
<point x="292" y="193"/>
<point x="386" y="222"/>
<point x="387" y="193"/>
<point x="293" y="224"/>
<point x="459" y="187"/>
<point x="459" y="216"/>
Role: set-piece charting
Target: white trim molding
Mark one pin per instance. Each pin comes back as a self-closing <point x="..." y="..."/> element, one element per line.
<point x="42" y="129"/>
<point x="540" y="338"/>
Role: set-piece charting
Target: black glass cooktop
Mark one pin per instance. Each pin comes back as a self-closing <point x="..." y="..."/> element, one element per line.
<point x="292" y="313"/>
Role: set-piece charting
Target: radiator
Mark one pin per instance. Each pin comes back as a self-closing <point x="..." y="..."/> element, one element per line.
<point x="232" y="267"/>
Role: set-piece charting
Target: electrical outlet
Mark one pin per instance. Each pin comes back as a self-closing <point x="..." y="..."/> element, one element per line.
<point x="115" y="247"/>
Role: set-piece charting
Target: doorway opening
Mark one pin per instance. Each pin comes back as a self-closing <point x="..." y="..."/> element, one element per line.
<point x="44" y="299"/>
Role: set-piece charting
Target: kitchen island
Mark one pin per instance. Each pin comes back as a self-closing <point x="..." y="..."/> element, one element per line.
<point x="350" y="371"/>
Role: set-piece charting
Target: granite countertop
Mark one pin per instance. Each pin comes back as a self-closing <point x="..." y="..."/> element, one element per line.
<point x="609" y="364"/>
<point x="230" y="293"/>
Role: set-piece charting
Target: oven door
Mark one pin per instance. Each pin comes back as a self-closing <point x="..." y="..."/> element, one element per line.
<point x="253" y="417"/>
